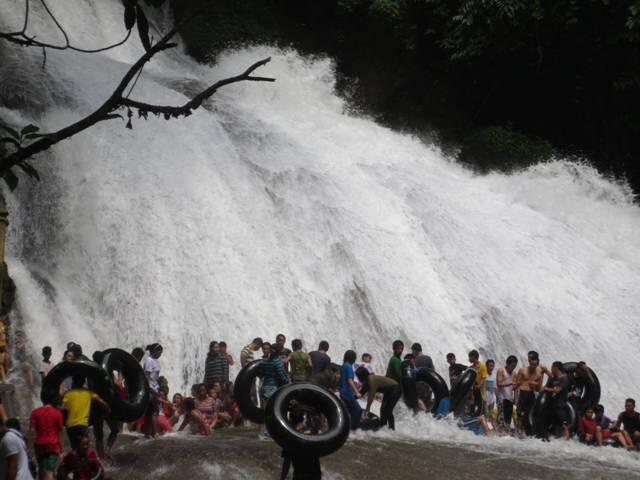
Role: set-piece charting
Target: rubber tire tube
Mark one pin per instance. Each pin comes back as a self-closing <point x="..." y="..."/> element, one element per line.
<point x="97" y="375"/>
<point x="460" y="388"/>
<point x="437" y="384"/>
<point x="242" y="392"/>
<point x="325" y="402"/>
<point x="591" y="395"/>
<point x="538" y="416"/>
<point x="135" y="381"/>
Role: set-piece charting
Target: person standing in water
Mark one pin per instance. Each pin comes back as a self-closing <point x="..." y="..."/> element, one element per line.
<point x="247" y="352"/>
<point x="528" y="381"/>
<point x="490" y="389"/>
<point x="216" y="367"/>
<point x="559" y="387"/>
<point x="299" y="362"/>
<point x="455" y="369"/>
<point x="152" y="372"/>
<point x="505" y="382"/>
<point x="319" y="358"/>
<point x="349" y="391"/>
<point x="394" y="367"/>
<point x="479" y="388"/>
<point x="389" y="388"/>
<point x="45" y="435"/>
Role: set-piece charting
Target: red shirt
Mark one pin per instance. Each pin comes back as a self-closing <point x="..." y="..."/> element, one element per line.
<point x="47" y="422"/>
<point x="83" y="467"/>
<point x="587" y="426"/>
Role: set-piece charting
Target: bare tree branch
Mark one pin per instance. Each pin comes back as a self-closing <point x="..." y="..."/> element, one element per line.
<point x="117" y="100"/>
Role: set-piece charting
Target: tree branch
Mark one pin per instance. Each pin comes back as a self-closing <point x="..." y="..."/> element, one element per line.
<point x="117" y="100"/>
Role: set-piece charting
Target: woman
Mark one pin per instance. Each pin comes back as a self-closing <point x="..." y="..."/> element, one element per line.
<point x="177" y="408"/>
<point x="152" y="372"/>
<point x="206" y="406"/>
<point x="194" y="418"/>
<point x="167" y="411"/>
<point x="349" y="391"/>
<point x="216" y="368"/>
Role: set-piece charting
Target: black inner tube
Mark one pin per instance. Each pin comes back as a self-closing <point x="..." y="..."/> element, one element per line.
<point x="436" y="383"/>
<point x="460" y="389"/>
<point x="540" y="415"/>
<point x="95" y="374"/>
<point x="135" y="405"/>
<point x="324" y="403"/>
<point x="244" y="392"/>
<point x="589" y="392"/>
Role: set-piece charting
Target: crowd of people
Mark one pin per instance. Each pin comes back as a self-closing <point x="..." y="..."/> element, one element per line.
<point x="498" y="403"/>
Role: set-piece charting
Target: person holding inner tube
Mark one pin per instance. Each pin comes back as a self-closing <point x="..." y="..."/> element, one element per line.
<point x="77" y="405"/>
<point x="389" y="388"/>
<point x="528" y="381"/>
<point x="273" y="377"/>
<point x="349" y="391"/>
<point x="152" y="372"/>
<point x="559" y="386"/>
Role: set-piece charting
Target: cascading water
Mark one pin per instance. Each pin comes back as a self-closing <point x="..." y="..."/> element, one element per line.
<point x="274" y="210"/>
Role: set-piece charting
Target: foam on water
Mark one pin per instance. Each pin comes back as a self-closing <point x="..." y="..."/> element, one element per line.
<point x="273" y="210"/>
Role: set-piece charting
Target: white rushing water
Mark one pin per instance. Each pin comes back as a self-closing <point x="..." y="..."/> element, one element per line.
<point x="274" y="210"/>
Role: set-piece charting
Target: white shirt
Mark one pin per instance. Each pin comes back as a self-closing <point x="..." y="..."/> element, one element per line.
<point x="13" y="444"/>
<point x="153" y="369"/>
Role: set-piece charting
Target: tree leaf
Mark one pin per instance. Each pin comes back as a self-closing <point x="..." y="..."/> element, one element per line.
<point x="129" y="16"/>
<point x="29" y="170"/>
<point x="10" y="179"/>
<point x="143" y="28"/>
<point x="29" y="129"/>
<point x="10" y="131"/>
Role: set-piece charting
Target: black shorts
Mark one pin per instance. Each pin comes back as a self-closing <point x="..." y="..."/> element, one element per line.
<point x="526" y="401"/>
<point x="559" y="416"/>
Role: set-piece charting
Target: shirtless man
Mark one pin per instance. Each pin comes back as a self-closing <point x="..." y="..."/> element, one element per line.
<point x="527" y="382"/>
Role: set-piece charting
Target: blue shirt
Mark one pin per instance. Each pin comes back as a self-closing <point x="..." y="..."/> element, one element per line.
<point x="346" y="374"/>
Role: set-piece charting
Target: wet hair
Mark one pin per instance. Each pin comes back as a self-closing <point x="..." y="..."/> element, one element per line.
<point x="280" y="335"/>
<point x="630" y="400"/>
<point x="258" y="341"/>
<point x="46" y="351"/>
<point x="77" y="350"/>
<point x="296" y="344"/>
<point x="491" y="360"/>
<point x="533" y="355"/>
<point x="474" y="354"/>
<point x="559" y="365"/>
<point x="98" y="356"/>
<point x="512" y="359"/>
<point x="323" y="345"/>
<point x="137" y="353"/>
<point x="153" y="348"/>
<point x="77" y="381"/>
<point x="364" y="355"/>
<point x="416" y="347"/>
<point x="598" y="409"/>
<point x="362" y="374"/>
<point x="397" y="343"/>
<point x="451" y="355"/>
<point x="349" y="356"/>
<point x="13" y="423"/>
<point x="188" y="404"/>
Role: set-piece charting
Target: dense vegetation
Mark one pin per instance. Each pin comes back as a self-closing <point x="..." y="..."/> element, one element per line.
<point x="492" y="76"/>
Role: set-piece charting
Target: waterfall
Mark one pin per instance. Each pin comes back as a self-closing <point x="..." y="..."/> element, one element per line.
<point x="274" y="209"/>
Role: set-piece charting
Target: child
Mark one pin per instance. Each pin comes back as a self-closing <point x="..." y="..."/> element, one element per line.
<point x="82" y="463"/>
<point x="45" y="364"/>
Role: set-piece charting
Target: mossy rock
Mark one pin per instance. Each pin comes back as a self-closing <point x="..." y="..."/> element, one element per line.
<point x="499" y="148"/>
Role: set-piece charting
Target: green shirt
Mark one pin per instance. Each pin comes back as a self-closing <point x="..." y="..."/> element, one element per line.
<point x="378" y="384"/>
<point x="394" y="369"/>
<point x="298" y="364"/>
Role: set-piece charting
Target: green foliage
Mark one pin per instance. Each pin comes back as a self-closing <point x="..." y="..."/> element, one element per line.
<point x="499" y="148"/>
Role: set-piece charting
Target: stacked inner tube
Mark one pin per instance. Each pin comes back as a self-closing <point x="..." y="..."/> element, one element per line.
<point x="283" y="430"/>
<point x="431" y="378"/>
<point x="100" y="379"/>
<point x="460" y="389"/>
<point x="590" y="394"/>
<point x="242" y="391"/>
<point x="540" y="415"/>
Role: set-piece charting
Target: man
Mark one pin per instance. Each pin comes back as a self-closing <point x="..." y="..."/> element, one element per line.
<point x="282" y="350"/>
<point x="45" y="429"/>
<point x="394" y="368"/>
<point x="422" y="360"/>
<point x="559" y="387"/>
<point x="455" y="369"/>
<point x="319" y="358"/>
<point x="45" y="364"/>
<point x="629" y="420"/>
<point x="77" y="403"/>
<point x="14" y="460"/>
<point x="246" y="354"/>
<point x="389" y="388"/>
<point x="505" y="382"/>
<point x="528" y="381"/>
<point x="479" y="387"/>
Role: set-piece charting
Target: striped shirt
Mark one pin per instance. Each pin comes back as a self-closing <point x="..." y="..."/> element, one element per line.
<point x="216" y="369"/>
<point x="248" y="351"/>
<point x="273" y="373"/>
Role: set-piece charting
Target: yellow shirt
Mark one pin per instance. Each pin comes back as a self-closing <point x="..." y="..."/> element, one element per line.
<point x="480" y="377"/>
<point x="77" y="402"/>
